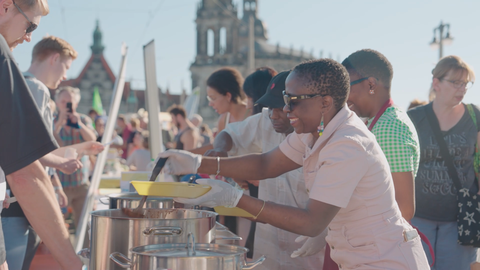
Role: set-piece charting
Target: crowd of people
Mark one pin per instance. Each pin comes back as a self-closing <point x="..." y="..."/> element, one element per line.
<point x="347" y="178"/>
<point x="336" y="175"/>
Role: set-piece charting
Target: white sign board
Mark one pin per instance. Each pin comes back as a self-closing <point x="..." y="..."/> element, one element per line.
<point x="153" y="104"/>
<point x="97" y="172"/>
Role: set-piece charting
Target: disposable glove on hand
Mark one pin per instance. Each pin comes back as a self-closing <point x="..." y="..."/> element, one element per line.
<point x="221" y="194"/>
<point x="180" y="162"/>
<point x="312" y="246"/>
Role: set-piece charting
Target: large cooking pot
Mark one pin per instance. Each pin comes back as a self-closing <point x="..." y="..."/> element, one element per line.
<point x="132" y="199"/>
<point x="222" y="236"/>
<point x="189" y="256"/>
<point x="113" y="231"/>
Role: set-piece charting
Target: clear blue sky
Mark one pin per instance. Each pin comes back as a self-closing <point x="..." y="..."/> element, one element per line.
<point x="402" y="30"/>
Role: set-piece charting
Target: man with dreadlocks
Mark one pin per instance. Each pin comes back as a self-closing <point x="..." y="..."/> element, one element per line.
<point x="346" y="174"/>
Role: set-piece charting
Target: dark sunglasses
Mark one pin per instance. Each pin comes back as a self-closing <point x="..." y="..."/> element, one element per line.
<point x="288" y="98"/>
<point x="358" y="81"/>
<point x="32" y="26"/>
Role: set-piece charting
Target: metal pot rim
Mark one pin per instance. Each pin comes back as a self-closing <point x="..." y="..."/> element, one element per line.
<point x="208" y="214"/>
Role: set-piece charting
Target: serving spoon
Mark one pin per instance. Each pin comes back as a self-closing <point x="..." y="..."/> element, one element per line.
<point x="138" y="212"/>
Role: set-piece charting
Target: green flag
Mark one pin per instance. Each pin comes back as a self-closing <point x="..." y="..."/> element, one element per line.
<point x="97" y="101"/>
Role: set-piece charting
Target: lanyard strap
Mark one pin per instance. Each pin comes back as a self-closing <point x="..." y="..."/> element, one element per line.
<point x="379" y="113"/>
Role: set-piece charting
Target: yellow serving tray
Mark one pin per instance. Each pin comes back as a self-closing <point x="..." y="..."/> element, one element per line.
<point x="170" y="189"/>
<point x="109" y="183"/>
<point x="232" y="211"/>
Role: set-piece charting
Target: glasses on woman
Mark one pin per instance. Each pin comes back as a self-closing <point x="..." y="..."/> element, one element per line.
<point x="458" y="84"/>
<point x="32" y="26"/>
<point x="289" y="98"/>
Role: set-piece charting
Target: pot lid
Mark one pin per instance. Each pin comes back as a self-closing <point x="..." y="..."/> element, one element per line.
<point x="151" y="213"/>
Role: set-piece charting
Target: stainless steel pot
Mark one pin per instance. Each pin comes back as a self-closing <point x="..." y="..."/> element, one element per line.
<point x="222" y="236"/>
<point x="113" y="231"/>
<point x="131" y="200"/>
<point x="189" y="256"/>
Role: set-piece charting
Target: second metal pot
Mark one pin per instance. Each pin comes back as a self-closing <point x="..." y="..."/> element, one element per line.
<point x="113" y="231"/>
<point x="189" y="256"/>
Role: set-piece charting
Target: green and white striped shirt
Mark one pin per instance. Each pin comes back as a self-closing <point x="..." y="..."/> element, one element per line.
<point x="398" y="139"/>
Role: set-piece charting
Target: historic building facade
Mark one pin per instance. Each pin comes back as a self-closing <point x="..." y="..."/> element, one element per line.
<point x="219" y="18"/>
<point x="97" y="74"/>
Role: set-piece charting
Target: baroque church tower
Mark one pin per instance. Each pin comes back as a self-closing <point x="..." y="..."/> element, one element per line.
<point x="222" y="40"/>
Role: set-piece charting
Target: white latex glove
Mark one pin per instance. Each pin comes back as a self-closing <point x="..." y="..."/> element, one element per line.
<point x="221" y="194"/>
<point x="312" y="246"/>
<point x="180" y="162"/>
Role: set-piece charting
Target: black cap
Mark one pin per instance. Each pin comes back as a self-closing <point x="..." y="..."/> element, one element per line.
<point x="273" y="98"/>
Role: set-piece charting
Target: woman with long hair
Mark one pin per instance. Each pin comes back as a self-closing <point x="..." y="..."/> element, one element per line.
<point x="225" y="95"/>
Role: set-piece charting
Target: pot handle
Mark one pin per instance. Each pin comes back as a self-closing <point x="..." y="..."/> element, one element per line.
<point x="107" y="200"/>
<point x="190" y="244"/>
<point x="165" y="231"/>
<point x="251" y="265"/>
<point x="114" y="256"/>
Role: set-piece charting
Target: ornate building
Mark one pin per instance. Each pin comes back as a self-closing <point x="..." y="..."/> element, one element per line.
<point x="218" y="18"/>
<point x="98" y="74"/>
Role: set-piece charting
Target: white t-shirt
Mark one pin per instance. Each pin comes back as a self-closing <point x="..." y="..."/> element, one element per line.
<point x="41" y="95"/>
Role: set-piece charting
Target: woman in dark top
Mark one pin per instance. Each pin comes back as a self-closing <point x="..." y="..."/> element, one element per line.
<point x="436" y="203"/>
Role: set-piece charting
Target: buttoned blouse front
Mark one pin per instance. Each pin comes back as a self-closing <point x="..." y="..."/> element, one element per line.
<point x="257" y="135"/>
<point x="346" y="168"/>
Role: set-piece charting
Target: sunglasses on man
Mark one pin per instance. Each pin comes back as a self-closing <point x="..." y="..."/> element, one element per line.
<point x="32" y="26"/>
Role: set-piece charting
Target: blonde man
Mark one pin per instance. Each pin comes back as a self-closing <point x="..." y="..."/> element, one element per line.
<point x="24" y="137"/>
<point x="51" y="58"/>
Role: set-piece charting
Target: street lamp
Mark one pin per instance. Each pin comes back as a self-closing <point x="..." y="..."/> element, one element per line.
<point x="442" y="40"/>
